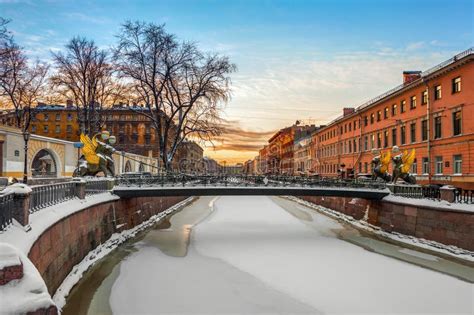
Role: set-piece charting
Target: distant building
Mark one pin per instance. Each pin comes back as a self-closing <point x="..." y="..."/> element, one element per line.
<point x="189" y="158"/>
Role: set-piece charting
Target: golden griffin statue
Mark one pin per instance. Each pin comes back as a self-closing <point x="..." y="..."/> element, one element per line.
<point x="96" y="155"/>
<point x="402" y="163"/>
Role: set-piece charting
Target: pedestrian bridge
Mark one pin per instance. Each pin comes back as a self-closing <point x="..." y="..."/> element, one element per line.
<point x="225" y="185"/>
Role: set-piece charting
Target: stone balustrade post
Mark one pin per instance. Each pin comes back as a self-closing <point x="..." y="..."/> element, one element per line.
<point x="21" y="203"/>
<point x="448" y="193"/>
<point x="110" y="183"/>
<point x="80" y="188"/>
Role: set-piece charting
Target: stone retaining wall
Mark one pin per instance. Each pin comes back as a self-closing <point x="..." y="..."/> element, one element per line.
<point x="67" y="242"/>
<point x="445" y="226"/>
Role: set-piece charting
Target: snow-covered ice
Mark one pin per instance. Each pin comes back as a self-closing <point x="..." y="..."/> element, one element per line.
<point x="252" y="256"/>
<point x="308" y="263"/>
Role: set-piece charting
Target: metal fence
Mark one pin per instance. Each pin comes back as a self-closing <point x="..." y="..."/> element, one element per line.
<point x="6" y="210"/>
<point x="464" y="196"/>
<point x="48" y="195"/>
<point x="189" y="180"/>
<point x="97" y="186"/>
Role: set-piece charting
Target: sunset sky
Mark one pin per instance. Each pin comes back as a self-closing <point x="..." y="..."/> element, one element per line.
<point x="297" y="60"/>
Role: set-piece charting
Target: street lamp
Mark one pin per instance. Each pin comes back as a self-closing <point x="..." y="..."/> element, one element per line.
<point x="26" y="137"/>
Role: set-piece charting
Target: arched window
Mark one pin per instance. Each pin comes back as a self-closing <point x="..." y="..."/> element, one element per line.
<point x="44" y="164"/>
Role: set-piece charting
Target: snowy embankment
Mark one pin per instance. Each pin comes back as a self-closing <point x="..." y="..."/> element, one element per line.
<point x="102" y="250"/>
<point x="26" y="294"/>
<point x="412" y="241"/>
<point x="309" y="263"/>
<point x="43" y="219"/>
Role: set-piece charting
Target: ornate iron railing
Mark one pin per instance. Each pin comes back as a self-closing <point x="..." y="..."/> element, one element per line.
<point x="188" y="180"/>
<point x="48" y="195"/>
<point x="464" y="195"/>
<point x="96" y="186"/>
<point x="6" y="210"/>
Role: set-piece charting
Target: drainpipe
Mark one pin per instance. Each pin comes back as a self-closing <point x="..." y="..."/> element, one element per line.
<point x="428" y="127"/>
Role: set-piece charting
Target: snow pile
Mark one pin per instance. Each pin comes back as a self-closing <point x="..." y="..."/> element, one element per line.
<point x="41" y="220"/>
<point x="102" y="250"/>
<point x="450" y="250"/>
<point x="26" y="294"/>
<point x="306" y="260"/>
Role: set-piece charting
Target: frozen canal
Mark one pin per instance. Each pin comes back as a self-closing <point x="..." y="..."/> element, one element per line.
<point x="267" y="255"/>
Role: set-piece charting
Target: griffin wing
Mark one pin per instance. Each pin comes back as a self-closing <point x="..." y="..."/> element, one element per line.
<point x="89" y="149"/>
<point x="407" y="159"/>
<point x="385" y="161"/>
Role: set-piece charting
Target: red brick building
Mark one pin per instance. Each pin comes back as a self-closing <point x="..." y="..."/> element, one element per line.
<point x="431" y="112"/>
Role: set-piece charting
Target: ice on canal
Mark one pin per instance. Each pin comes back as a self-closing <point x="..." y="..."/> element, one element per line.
<point x="250" y="255"/>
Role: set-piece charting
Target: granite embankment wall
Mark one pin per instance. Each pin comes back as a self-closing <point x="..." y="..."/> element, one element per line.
<point x="68" y="241"/>
<point x="450" y="227"/>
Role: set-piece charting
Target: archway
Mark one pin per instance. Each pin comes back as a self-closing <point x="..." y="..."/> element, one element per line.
<point x="141" y="167"/>
<point x="44" y="164"/>
<point x="128" y="167"/>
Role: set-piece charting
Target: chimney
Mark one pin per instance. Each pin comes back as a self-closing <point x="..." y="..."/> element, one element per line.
<point x="348" y="111"/>
<point x="69" y="104"/>
<point x="410" y="76"/>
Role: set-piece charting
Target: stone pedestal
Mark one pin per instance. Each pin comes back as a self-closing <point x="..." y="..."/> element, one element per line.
<point x="21" y="203"/>
<point x="448" y="193"/>
<point x="80" y="188"/>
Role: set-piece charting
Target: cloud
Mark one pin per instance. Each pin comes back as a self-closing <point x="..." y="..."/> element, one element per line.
<point x="415" y="46"/>
<point x="236" y="138"/>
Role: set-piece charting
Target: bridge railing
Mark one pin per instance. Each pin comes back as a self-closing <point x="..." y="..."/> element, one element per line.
<point x="6" y="210"/>
<point x="43" y="196"/>
<point x="189" y="180"/>
<point x="48" y="195"/>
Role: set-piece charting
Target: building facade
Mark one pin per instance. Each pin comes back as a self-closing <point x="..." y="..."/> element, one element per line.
<point x="430" y="112"/>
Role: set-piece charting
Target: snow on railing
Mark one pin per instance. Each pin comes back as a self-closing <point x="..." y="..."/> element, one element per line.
<point x="48" y="195"/>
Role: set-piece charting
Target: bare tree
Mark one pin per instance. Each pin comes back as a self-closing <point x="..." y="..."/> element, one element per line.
<point x="22" y="84"/>
<point x="85" y="75"/>
<point x="180" y="87"/>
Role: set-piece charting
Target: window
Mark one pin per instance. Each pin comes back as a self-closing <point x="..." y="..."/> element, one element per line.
<point x="424" y="97"/>
<point x="366" y="120"/>
<point x="457" y="164"/>
<point x="437" y="92"/>
<point x="355" y="145"/>
<point x="394" y="109"/>
<point x="69" y="117"/>
<point x="33" y="128"/>
<point x="394" y="136"/>
<point x="46" y="117"/>
<point x="457" y="123"/>
<point x="379" y="115"/>
<point x="58" y="129"/>
<point x="350" y="127"/>
<point x="413" y="102"/>
<point x="372" y="118"/>
<point x="403" y="106"/>
<point x="403" y="135"/>
<point x="425" y="167"/>
<point x="413" y="132"/>
<point x="379" y="140"/>
<point x="385" y="113"/>
<point x="424" y="130"/>
<point x="414" y="167"/>
<point x="372" y="141"/>
<point x="456" y="84"/>
<point x="45" y="128"/>
<point x="69" y="128"/>
<point x="437" y="127"/>
<point x="385" y="139"/>
<point x="439" y="165"/>
<point x="58" y="117"/>
<point x="366" y="143"/>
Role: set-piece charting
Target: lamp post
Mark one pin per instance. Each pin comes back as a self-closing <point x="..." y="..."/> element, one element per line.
<point x="26" y="138"/>
<point x="79" y="146"/>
